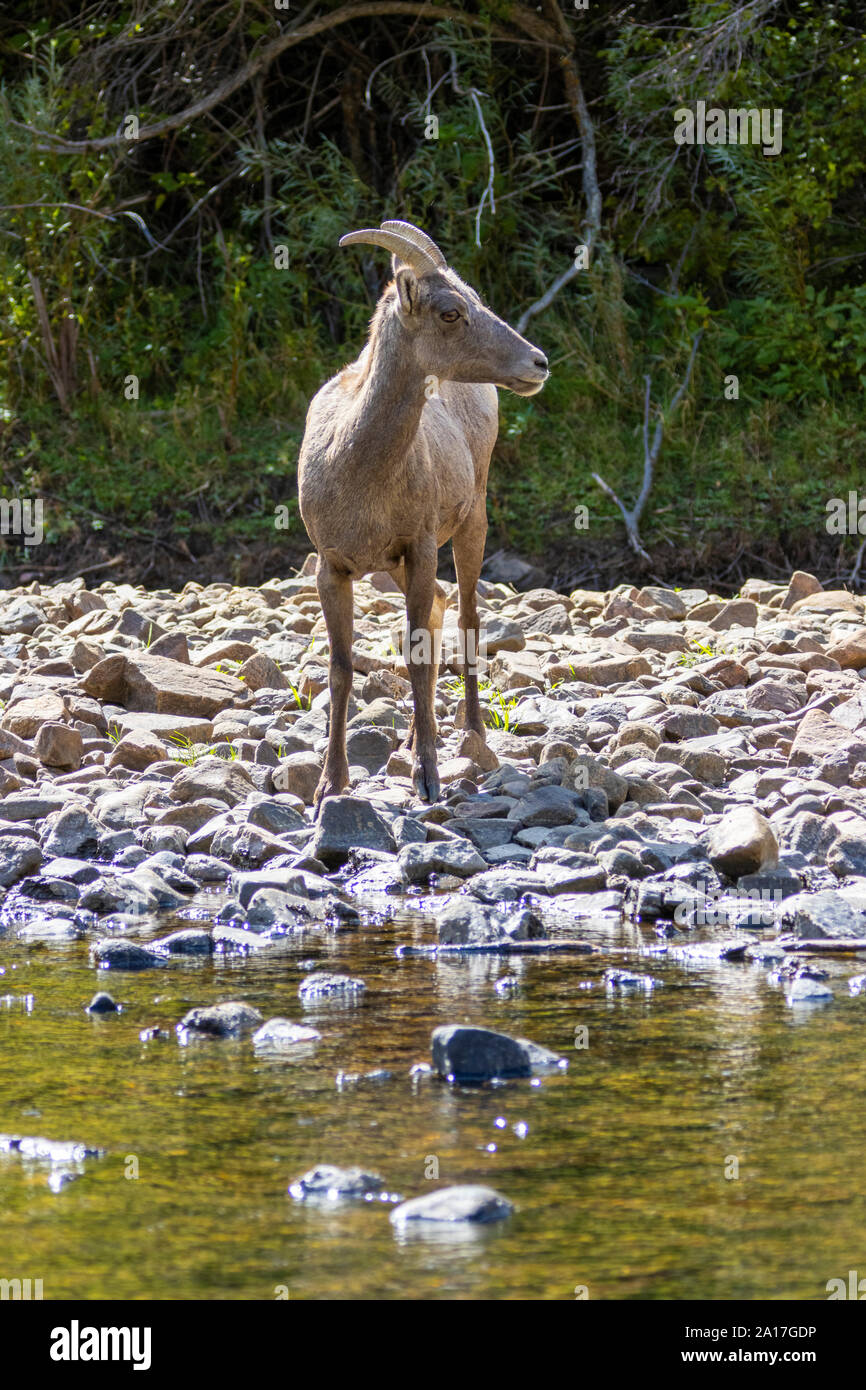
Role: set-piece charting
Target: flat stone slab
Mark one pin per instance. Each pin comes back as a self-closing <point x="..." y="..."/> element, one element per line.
<point x="190" y="726"/>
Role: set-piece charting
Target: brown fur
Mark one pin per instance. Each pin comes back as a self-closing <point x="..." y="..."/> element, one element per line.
<point x="392" y="466"/>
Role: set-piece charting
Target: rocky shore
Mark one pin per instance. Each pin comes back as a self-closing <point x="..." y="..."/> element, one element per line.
<point x="667" y="756"/>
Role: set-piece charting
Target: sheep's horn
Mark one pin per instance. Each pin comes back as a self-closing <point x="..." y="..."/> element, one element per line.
<point x="406" y="250"/>
<point x="420" y="238"/>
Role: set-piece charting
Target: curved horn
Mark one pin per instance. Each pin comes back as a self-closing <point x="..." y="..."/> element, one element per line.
<point x="408" y="252"/>
<point x="421" y="239"/>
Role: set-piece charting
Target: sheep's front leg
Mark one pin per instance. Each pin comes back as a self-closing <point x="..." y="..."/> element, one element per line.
<point x="468" y="547"/>
<point x="335" y="593"/>
<point x="422" y="661"/>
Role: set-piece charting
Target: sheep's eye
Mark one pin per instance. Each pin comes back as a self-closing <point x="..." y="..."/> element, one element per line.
<point x="450" y="316"/>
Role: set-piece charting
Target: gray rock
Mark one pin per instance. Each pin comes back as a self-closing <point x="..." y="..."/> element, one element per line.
<point x="102" y="1003"/>
<point x="588" y="772"/>
<point x="465" y="921"/>
<point x="213" y="777"/>
<point x="77" y="871"/>
<point x="204" y="868"/>
<point x="123" y="810"/>
<point x="370" y="747"/>
<point x="73" y="831"/>
<point x="458" y="857"/>
<point x="275" y="816"/>
<point x="150" y="881"/>
<point x="331" y="1184"/>
<point x="189" y="941"/>
<point x="19" y="856"/>
<point x="345" y="823"/>
<point x="324" y="984"/>
<point x="49" y="888"/>
<point x="113" y="953"/>
<point x="118" y="893"/>
<point x="299" y="774"/>
<point x="847" y="855"/>
<point x="834" y="913"/>
<point x="804" y="990"/>
<point x="742" y="843"/>
<point x="281" y="1035"/>
<point x="547" y="806"/>
<point x="468" y="1202"/>
<point x="231" y="1019"/>
<point x="463" y="1053"/>
<point x="506" y="885"/>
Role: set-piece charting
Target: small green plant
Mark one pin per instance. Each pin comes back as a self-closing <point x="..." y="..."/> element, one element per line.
<point x="114" y="734"/>
<point x="499" y="709"/>
<point x="183" y="749"/>
<point x="701" y="651"/>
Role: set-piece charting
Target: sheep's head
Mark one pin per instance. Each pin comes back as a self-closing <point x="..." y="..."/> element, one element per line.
<point x="452" y="334"/>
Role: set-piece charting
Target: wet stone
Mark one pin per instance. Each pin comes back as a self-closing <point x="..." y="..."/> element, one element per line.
<point x="470" y="1202"/>
<point x="113" y="953"/>
<point x="322" y="984"/>
<point x="231" y="1019"/>
<point x="462" y="1053"/>
<point x="102" y="1003"/>
<point x="327" y="1183"/>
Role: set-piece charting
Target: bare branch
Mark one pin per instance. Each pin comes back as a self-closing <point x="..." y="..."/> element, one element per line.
<point x="651" y="452"/>
<point x="267" y="54"/>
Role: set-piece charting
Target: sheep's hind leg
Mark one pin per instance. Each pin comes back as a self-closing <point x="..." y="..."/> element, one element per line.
<point x="335" y="593"/>
<point x="468" y="547"/>
<point x="424" y="618"/>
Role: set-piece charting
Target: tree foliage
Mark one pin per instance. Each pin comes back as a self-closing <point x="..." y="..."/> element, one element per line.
<point x="175" y="176"/>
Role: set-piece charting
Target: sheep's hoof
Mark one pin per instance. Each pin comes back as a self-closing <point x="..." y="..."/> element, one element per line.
<point x="328" y="786"/>
<point x="426" y="780"/>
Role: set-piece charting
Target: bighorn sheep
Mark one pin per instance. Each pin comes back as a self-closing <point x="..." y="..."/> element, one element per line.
<point x="394" y="463"/>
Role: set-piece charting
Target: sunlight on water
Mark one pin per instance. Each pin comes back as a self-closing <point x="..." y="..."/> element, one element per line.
<point x="616" y="1167"/>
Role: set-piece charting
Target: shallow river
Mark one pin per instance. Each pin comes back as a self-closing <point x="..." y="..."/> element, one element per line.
<point x="617" y="1167"/>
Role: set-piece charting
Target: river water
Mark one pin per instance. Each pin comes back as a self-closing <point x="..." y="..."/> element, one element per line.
<point x="620" y="1169"/>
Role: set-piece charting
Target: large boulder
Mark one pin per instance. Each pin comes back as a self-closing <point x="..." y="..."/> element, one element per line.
<point x="346" y="823"/>
<point x="158" y="684"/>
<point x="215" y="778"/>
<point x="742" y="843"/>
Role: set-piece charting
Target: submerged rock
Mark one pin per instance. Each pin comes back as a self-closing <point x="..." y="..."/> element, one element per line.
<point x="331" y="1184"/>
<point x="280" y="1035"/>
<point x="469" y="1202"/>
<point x="322" y="984"/>
<point x="102" y="1003"/>
<point x="463" y="1053"/>
<point x="230" y="1019"/>
<point x="113" y="953"/>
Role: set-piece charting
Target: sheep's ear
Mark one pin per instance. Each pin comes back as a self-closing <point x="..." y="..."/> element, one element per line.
<point x="407" y="290"/>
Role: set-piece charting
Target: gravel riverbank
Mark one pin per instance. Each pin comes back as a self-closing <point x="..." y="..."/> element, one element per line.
<point x="663" y="755"/>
